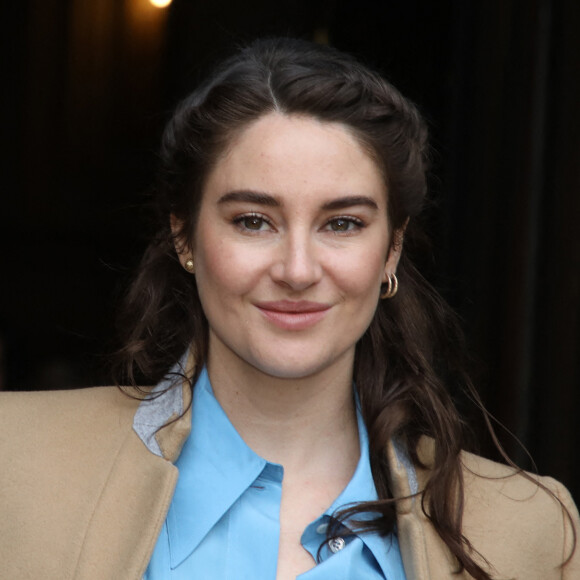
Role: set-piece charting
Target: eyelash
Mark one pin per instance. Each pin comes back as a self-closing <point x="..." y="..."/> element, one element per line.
<point x="240" y="219"/>
<point x="353" y="223"/>
<point x="357" y="224"/>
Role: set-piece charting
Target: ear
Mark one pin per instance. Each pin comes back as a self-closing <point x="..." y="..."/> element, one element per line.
<point x="394" y="254"/>
<point x="182" y="247"/>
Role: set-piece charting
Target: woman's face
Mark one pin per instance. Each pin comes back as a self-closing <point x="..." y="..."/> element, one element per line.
<point x="291" y="247"/>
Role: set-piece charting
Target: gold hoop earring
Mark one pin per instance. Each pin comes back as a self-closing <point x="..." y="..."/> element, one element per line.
<point x="392" y="287"/>
<point x="189" y="266"/>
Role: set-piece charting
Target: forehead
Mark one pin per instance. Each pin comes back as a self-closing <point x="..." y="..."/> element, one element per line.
<point x="288" y="154"/>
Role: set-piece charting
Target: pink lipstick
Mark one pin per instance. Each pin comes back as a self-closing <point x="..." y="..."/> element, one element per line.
<point x="293" y="315"/>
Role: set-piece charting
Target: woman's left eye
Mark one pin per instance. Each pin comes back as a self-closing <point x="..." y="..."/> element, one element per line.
<point x="344" y="224"/>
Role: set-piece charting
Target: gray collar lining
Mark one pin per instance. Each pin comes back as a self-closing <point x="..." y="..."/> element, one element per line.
<point x="157" y="409"/>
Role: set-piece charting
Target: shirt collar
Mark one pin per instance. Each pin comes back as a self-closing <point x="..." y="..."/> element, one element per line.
<point x="224" y="468"/>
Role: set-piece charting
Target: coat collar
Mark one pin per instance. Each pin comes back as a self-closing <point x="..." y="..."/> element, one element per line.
<point x="160" y="421"/>
<point x="410" y="520"/>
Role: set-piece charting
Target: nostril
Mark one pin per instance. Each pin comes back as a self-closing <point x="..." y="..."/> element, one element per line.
<point x="298" y="267"/>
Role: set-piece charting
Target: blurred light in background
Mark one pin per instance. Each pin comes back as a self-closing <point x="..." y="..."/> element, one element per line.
<point x="160" y="3"/>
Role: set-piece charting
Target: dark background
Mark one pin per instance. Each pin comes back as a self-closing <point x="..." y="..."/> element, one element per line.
<point x="87" y="87"/>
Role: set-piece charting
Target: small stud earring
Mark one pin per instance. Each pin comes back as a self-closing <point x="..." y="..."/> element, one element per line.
<point x="189" y="265"/>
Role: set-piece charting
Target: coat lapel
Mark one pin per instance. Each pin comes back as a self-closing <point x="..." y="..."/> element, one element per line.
<point x="425" y="556"/>
<point x="140" y="486"/>
<point x="409" y="525"/>
<point x="138" y="493"/>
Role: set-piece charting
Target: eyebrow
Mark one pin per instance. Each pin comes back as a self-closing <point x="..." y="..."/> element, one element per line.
<point x="250" y="196"/>
<point x="269" y="200"/>
<point x="350" y="201"/>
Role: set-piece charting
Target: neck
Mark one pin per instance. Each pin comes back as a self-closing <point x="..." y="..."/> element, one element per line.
<point x="294" y="422"/>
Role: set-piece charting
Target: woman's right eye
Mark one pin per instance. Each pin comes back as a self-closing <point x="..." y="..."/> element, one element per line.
<point x="252" y="222"/>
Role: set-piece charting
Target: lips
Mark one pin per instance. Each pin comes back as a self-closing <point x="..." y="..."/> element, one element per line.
<point x="290" y="315"/>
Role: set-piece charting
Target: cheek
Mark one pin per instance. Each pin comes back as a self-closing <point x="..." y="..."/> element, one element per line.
<point x="215" y="270"/>
<point x="361" y="276"/>
<point x="224" y="269"/>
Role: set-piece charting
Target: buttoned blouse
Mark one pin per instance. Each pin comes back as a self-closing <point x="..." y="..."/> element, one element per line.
<point x="223" y="522"/>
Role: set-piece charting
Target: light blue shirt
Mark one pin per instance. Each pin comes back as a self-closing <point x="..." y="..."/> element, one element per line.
<point x="223" y="522"/>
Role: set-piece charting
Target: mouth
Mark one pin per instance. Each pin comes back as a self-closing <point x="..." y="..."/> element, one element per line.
<point x="290" y="315"/>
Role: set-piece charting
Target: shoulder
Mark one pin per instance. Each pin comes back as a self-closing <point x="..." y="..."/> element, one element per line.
<point x="523" y="525"/>
<point x="24" y="412"/>
<point x="511" y="515"/>
<point x="42" y="424"/>
<point x="489" y="485"/>
<point x="87" y="397"/>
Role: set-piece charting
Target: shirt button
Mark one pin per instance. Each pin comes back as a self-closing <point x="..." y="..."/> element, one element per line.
<point x="321" y="529"/>
<point x="336" y="545"/>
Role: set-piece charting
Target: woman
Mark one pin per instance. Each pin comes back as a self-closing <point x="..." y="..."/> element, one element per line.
<point x="307" y="431"/>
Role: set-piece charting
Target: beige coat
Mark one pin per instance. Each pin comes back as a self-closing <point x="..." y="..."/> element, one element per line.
<point x="86" y="484"/>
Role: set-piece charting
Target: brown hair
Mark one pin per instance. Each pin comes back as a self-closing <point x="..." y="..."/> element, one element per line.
<point x="412" y="350"/>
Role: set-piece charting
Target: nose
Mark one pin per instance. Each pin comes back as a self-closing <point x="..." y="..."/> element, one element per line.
<point x="297" y="265"/>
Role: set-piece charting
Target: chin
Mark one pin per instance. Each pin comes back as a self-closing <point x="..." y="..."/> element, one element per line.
<point x="289" y="373"/>
<point x="294" y="368"/>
